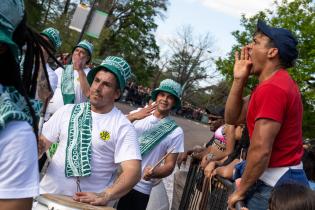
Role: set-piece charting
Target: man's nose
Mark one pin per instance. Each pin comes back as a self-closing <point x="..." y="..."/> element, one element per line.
<point x="97" y="87"/>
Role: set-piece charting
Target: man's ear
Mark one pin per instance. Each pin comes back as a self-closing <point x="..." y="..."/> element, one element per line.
<point x="117" y="94"/>
<point x="273" y="52"/>
<point x="88" y="59"/>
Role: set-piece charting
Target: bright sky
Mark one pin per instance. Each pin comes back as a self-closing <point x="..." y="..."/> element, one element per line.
<point x="218" y="17"/>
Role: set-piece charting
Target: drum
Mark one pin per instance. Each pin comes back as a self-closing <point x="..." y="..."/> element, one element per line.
<point x="62" y="202"/>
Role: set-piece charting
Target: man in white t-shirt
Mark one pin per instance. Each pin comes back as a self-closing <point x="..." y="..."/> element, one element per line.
<point x="94" y="139"/>
<point x="72" y="85"/>
<point x="158" y="134"/>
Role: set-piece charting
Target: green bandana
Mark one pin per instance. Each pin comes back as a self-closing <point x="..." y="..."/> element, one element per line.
<point x="78" y="151"/>
<point x="67" y="85"/>
<point x="150" y="138"/>
<point x="14" y="107"/>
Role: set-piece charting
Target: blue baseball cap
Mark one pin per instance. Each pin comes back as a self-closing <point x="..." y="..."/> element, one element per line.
<point x="283" y="39"/>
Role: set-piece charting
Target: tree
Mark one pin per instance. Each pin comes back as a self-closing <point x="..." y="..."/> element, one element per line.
<point x="130" y="28"/>
<point x="190" y="60"/>
<point x="218" y="95"/>
<point x="299" y="17"/>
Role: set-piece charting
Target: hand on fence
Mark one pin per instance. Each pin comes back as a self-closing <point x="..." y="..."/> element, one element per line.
<point x="182" y="158"/>
<point x="233" y="198"/>
<point x="209" y="169"/>
<point x="200" y="153"/>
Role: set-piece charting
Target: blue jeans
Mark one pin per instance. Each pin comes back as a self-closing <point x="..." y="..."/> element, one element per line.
<point x="258" y="196"/>
<point x="294" y="176"/>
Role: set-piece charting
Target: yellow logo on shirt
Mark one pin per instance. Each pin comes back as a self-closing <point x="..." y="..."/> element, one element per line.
<point x="104" y="135"/>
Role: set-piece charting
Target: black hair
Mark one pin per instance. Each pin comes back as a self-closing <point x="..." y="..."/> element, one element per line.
<point x="240" y="147"/>
<point x="292" y="196"/>
<point x="283" y="62"/>
<point x="25" y="81"/>
<point x="309" y="163"/>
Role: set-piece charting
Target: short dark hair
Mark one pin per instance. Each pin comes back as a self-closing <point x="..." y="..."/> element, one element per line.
<point x="291" y="196"/>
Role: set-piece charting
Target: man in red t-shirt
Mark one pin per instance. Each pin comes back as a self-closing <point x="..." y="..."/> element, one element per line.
<point x="273" y="115"/>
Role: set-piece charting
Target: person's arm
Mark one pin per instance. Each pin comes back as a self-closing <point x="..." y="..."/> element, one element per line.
<point x="43" y="90"/>
<point x="131" y="174"/>
<point x="43" y="145"/>
<point x="235" y="107"/>
<point x="162" y="170"/>
<point x="142" y="113"/>
<point x="216" y="155"/>
<point x="79" y="65"/>
<point x="258" y="156"/>
<point x="51" y="130"/>
<point x="16" y="204"/>
<point x="84" y="83"/>
<point x="229" y="139"/>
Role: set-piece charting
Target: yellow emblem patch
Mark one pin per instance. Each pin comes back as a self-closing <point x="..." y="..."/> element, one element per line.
<point x="104" y="135"/>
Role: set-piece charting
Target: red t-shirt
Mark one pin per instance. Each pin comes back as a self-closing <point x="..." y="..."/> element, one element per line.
<point x="279" y="99"/>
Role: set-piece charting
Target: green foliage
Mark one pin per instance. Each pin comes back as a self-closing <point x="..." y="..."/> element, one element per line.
<point x="218" y="95"/>
<point x="299" y="17"/>
<point x="128" y="31"/>
<point x="130" y="35"/>
<point x="34" y="11"/>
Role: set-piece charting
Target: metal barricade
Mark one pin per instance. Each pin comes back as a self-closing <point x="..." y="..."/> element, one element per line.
<point x="190" y="193"/>
<point x="202" y="193"/>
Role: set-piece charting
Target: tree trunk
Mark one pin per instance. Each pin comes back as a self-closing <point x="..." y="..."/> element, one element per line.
<point x="47" y="11"/>
<point x="65" y="10"/>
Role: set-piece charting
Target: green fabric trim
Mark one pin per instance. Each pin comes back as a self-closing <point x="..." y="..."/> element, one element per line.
<point x="94" y="35"/>
<point x="150" y="138"/>
<point x="52" y="149"/>
<point x="67" y="85"/>
<point x="101" y="12"/>
<point x="78" y="151"/>
<point x="14" y="107"/>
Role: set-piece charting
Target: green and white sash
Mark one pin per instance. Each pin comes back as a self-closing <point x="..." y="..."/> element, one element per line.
<point x="150" y="138"/>
<point x="78" y="151"/>
<point x="13" y="107"/>
<point x="67" y="85"/>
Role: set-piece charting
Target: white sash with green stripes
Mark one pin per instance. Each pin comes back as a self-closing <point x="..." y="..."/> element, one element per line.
<point x="150" y="138"/>
<point x="78" y="151"/>
<point x="67" y="85"/>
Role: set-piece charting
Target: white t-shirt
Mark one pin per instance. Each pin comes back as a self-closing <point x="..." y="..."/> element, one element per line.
<point x="173" y="140"/>
<point x="57" y="100"/>
<point x="121" y="146"/>
<point x="19" y="177"/>
<point x="53" y="78"/>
